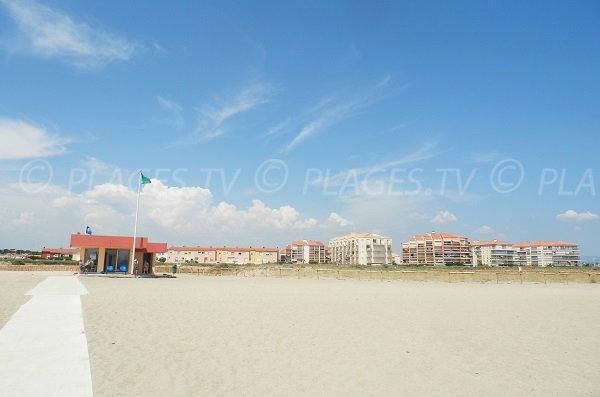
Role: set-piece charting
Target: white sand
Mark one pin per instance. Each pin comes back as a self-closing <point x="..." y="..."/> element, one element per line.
<point x="256" y="337"/>
<point x="211" y="336"/>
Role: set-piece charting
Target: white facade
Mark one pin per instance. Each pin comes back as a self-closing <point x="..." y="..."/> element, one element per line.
<point x="544" y="254"/>
<point x="493" y="253"/>
<point x="306" y="251"/>
<point x="361" y="249"/>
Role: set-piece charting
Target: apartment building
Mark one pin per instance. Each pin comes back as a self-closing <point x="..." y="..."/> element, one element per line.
<point x="211" y="255"/>
<point x="437" y="249"/>
<point x="548" y="253"/>
<point x="185" y="254"/>
<point x="361" y="249"/>
<point x="493" y="253"/>
<point x="306" y="251"/>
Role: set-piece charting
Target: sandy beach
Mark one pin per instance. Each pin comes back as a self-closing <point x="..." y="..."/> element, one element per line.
<point x="13" y="287"/>
<point x="235" y="336"/>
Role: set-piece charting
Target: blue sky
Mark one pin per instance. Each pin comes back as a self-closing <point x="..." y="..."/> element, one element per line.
<point x="263" y="122"/>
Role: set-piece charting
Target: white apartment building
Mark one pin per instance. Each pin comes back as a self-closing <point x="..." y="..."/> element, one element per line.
<point x="361" y="249"/>
<point x="305" y="251"/>
<point x="493" y="253"/>
<point x="546" y="253"/>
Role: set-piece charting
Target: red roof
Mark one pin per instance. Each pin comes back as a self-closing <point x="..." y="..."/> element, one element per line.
<point x="545" y="244"/>
<point x="93" y="241"/>
<point x="61" y="251"/>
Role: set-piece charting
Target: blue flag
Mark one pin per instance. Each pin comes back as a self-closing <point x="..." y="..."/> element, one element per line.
<point x="88" y="230"/>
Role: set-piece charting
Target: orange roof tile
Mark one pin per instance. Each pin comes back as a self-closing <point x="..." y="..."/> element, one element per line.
<point x="437" y="236"/>
<point x="488" y="243"/>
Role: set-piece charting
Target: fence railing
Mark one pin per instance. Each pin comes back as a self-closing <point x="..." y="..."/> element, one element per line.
<point x="437" y="275"/>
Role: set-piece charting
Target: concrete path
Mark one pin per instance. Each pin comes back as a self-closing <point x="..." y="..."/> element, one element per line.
<point x="43" y="347"/>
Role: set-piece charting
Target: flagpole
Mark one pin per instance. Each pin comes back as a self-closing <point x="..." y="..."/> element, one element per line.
<point x="137" y="207"/>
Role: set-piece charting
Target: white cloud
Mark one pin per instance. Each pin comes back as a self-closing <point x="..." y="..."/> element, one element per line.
<point x="339" y="220"/>
<point x="27" y="140"/>
<point x="47" y="33"/>
<point x="443" y="217"/>
<point x="175" y="212"/>
<point x="485" y="230"/>
<point x="571" y="215"/>
<point x="24" y="218"/>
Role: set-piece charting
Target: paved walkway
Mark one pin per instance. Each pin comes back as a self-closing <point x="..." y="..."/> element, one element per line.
<point x="43" y="347"/>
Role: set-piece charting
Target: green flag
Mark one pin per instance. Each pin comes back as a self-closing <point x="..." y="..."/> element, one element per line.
<point x="144" y="179"/>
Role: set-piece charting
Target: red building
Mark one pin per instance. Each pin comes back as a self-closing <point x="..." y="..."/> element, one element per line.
<point x="63" y="253"/>
<point x="112" y="254"/>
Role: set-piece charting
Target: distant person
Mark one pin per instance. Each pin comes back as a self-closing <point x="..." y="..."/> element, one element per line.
<point x="146" y="267"/>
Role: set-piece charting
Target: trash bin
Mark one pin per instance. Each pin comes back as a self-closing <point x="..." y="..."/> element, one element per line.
<point x="174" y="269"/>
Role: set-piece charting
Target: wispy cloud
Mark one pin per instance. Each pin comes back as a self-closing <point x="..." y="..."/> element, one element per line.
<point x="212" y="119"/>
<point x="328" y="112"/>
<point x="168" y="104"/>
<point x="425" y="152"/>
<point x="27" y="140"/>
<point x="47" y="33"/>
<point x="174" y="110"/>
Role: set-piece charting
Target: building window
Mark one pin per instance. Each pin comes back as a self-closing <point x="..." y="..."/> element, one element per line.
<point x="116" y="260"/>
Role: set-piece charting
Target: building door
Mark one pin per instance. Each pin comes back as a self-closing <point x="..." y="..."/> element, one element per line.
<point x="147" y="264"/>
<point x="110" y="261"/>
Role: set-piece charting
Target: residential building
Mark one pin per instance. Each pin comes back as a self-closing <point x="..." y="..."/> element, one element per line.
<point x="437" y="249"/>
<point x="211" y="255"/>
<point x="493" y="253"/>
<point x="260" y="256"/>
<point x="192" y="254"/>
<point x="361" y="249"/>
<point x="238" y="256"/>
<point x="59" y="253"/>
<point x="548" y="253"/>
<point x="305" y="251"/>
<point x="112" y="254"/>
